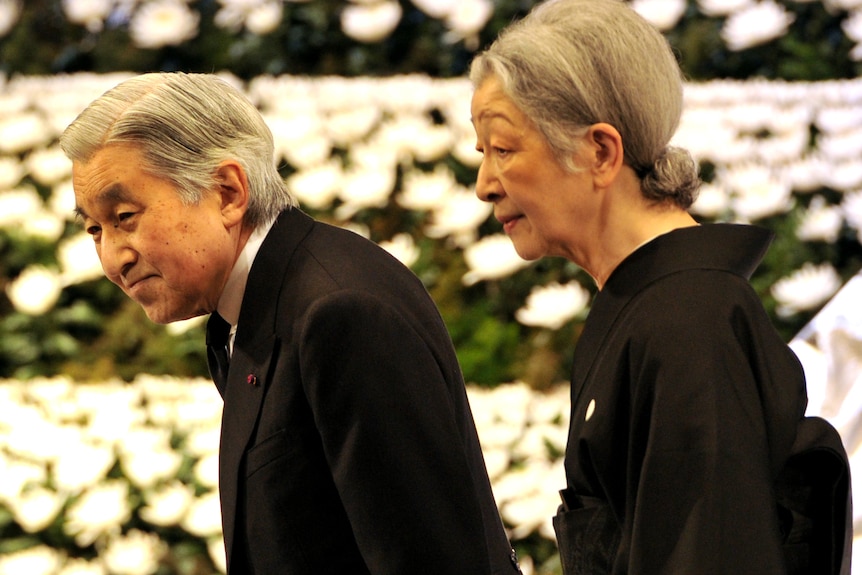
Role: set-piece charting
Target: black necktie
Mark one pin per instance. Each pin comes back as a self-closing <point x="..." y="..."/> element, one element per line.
<point x="218" y="358"/>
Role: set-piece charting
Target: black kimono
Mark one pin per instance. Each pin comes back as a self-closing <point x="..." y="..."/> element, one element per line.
<point x="685" y="405"/>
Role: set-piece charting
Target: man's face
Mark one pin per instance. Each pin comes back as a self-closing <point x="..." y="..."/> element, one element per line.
<point x="170" y="257"/>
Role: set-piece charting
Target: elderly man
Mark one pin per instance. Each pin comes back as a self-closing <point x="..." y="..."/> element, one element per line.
<point x="347" y="444"/>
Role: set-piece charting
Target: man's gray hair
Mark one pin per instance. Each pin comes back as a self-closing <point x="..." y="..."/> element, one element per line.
<point x="185" y="125"/>
<point x="570" y="64"/>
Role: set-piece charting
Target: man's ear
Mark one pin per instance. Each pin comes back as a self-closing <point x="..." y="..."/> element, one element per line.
<point x="607" y="159"/>
<point x="233" y="190"/>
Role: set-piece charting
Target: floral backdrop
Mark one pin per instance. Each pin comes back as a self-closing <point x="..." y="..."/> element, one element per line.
<point x="370" y="111"/>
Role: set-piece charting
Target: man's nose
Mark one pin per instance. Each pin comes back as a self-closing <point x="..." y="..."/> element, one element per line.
<point x="116" y="254"/>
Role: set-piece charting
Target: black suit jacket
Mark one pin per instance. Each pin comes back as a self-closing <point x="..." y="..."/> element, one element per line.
<point x="348" y="445"/>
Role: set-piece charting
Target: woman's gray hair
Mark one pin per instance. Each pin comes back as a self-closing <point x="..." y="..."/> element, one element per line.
<point x="185" y="125"/>
<point x="570" y="64"/>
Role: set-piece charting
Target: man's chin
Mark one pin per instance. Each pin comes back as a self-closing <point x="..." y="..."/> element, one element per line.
<point x="164" y="317"/>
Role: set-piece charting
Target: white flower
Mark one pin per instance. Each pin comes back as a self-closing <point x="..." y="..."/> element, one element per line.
<point x="365" y="188"/>
<point x="842" y="145"/>
<point x="852" y="25"/>
<point x="722" y="7"/>
<point x="844" y="175"/>
<point x="82" y="464"/>
<point x="265" y="18"/>
<point x="712" y="201"/>
<point x="37" y="508"/>
<point x="436" y="8"/>
<point x="464" y="150"/>
<point x="215" y="548"/>
<point x="842" y="5"/>
<point x="663" y="14"/>
<point x="758" y="191"/>
<point x="184" y="325"/>
<point x="820" y="222"/>
<point x="851" y="205"/>
<point x="163" y="23"/>
<point x="17" y="476"/>
<point x="11" y="172"/>
<point x="403" y="248"/>
<point x="529" y="513"/>
<point x="78" y="259"/>
<point x="49" y="166"/>
<point x="491" y="258"/>
<point x="372" y="22"/>
<point x="38" y="560"/>
<point x="35" y="290"/>
<point x="202" y="440"/>
<point x="412" y="136"/>
<point x="540" y="441"/>
<point x="458" y="217"/>
<point x="206" y="470"/>
<point x="432" y="143"/>
<point x="17" y="205"/>
<point x="375" y="154"/>
<point x="756" y="24"/>
<point x="204" y="517"/>
<point x="10" y="10"/>
<point x="114" y="420"/>
<point x="136" y="553"/>
<point x="168" y="505"/>
<point x="424" y="191"/>
<point x="89" y="13"/>
<point x="44" y="224"/>
<point x="497" y="460"/>
<point x="808" y="173"/>
<point x="309" y="152"/>
<point x="551" y="306"/>
<point x="22" y="132"/>
<point x="806" y="288"/>
<point x="351" y="125"/>
<point x="146" y="457"/>
<point x="839" y="118"/>
<point x="101" y="509"/>
<point x="468" y="17"/>
<point x="62" y="200"/>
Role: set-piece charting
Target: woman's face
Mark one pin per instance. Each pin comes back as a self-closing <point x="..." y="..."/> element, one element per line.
<point x="543" y="206"/>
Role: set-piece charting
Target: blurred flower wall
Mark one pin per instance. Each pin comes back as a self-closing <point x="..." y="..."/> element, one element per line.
<point x="121" y="478"/>
<point x="393" y="158"/>
<point x="370" y="110"/>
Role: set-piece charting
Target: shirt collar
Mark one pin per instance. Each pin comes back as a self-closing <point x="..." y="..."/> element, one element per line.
<point x="231" y="298"/>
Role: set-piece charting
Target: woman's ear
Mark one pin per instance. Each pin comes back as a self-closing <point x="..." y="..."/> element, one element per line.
<point x="233" y="190"/>
<point x="607" y="145"/>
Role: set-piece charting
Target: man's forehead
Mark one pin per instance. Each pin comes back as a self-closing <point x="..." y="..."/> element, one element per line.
<point x="108" y="196"/>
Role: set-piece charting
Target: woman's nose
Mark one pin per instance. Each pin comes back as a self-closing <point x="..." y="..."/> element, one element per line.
<point x="488" y="188"/>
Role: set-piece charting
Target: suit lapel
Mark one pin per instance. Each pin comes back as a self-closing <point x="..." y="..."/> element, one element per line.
<point x="253" y="352"/>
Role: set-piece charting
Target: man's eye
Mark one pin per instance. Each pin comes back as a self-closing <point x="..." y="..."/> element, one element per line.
<point x="501" y="151"/>
<point x="94" y="231"/>
<point x="125" y="216"/>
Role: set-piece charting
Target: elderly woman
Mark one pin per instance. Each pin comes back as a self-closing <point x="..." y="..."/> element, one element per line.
<point x="685" y="400"/>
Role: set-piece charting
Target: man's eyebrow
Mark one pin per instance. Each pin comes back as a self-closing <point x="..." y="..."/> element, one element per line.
<point x="111" y="195"/>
